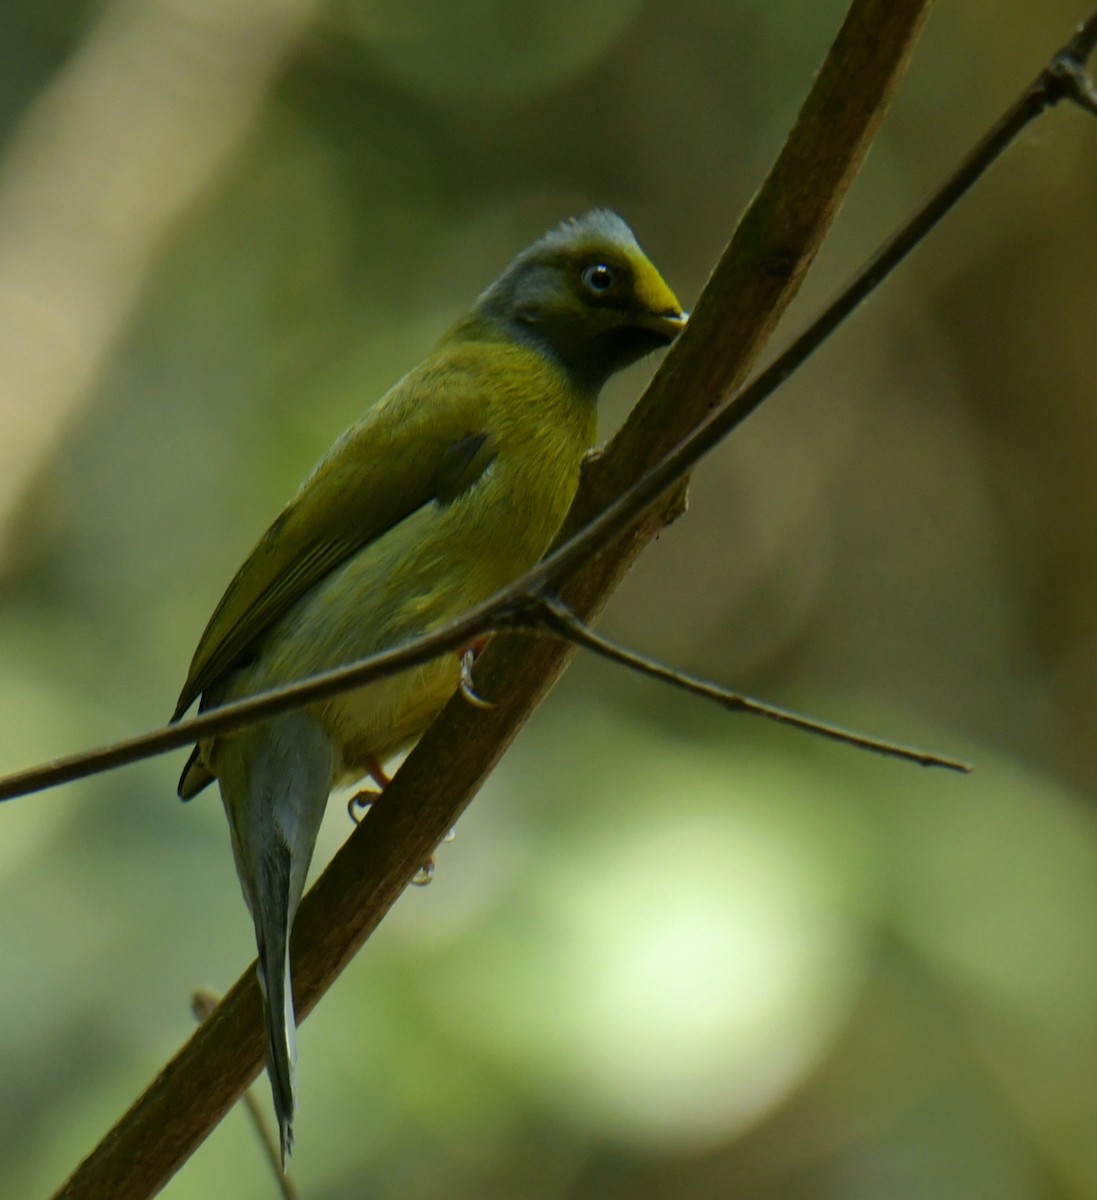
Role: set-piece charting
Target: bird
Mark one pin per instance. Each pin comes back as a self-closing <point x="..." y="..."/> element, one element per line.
<point x="451" y="486"/>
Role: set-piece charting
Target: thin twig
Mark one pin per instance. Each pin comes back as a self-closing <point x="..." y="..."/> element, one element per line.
<point x="552" y="613"/>
<point x="1064" y="78"/>
<point x="202" y="1004"/>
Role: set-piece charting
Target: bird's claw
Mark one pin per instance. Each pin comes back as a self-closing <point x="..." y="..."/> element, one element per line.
<point x="467" y="686"/>
<point x="425" y="873"/>
<point x="360" y="803"/>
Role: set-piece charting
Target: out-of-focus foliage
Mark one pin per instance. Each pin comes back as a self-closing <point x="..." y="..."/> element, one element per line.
<point x="670" y="953"/>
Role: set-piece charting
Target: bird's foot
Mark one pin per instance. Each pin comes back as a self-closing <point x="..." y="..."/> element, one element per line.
<point x="360" y="803"/>
<point x="427" y="871"/>
<point x="467" y="686"/>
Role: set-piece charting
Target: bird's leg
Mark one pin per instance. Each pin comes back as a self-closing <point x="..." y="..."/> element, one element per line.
<point x="468" y="689"/>
<point x="376" y="772"/>
<point x="361" y="802"/>
<point x="468" y="657"/>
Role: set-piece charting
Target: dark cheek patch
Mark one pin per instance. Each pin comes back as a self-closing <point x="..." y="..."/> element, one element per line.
<point x="631" y="342"/>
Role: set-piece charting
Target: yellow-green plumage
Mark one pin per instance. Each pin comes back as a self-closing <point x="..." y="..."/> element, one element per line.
<point x="452" y="485"/>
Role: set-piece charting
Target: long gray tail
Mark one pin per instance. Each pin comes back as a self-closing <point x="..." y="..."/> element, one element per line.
<point x="272" y="925"/>
<point x="275" y="780"/>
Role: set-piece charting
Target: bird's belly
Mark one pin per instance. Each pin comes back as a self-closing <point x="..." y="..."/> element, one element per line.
<point x="372" y="723"/>
<point x="371" y="603"/>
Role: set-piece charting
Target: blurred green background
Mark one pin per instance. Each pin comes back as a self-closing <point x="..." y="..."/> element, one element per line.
<point x="670" y="953"/>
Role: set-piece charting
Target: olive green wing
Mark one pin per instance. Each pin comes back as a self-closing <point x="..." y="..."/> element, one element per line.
<point x="425" y="443"/>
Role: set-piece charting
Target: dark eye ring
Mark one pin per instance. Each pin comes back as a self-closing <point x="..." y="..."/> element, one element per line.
<point x="598" y="278"/>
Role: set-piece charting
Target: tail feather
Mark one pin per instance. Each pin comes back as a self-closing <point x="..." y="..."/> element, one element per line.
<point x="275" y="781"/>
<point x="281" y="1026"/>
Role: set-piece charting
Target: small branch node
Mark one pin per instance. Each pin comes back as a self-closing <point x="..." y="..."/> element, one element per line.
<point x="1067" y="76"/>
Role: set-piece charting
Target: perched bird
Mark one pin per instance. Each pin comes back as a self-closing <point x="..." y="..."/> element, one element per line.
<point x="451" y="486"/>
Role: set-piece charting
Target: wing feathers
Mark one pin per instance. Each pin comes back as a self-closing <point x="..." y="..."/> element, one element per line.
<point x="400" y="457"/>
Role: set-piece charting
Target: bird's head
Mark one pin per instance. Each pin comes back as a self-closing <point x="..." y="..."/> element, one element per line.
<point x="586" y="296"/>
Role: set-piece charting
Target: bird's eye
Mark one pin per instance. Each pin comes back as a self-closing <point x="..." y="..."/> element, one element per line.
<point x="598" y="278"/>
